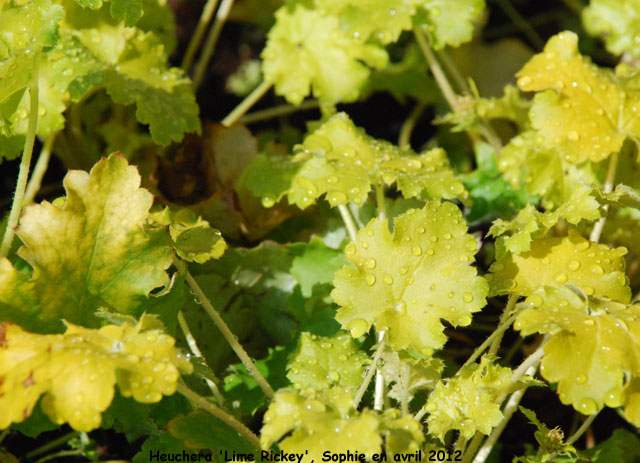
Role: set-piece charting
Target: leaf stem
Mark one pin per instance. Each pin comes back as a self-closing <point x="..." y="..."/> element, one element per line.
<point x="499" y="331"/>
<point x="436" y="70"/>
<point x="210" y="43"/>
<point x="522" y="24"/>
<point x="382" y="213"/>
<point x="25" y="162"/>
<point x="471" y="450"/>
<point x="219" y="413"/>
<point x="4" y="434"/>
<point x="583" y="428"/>
<point x="404" y="138"/>
<point x="276" y="111"/>
<point x="379" y="392"/>
<point x="62" y="440"/>
<point x="196" y="38"/>
<point x="193" y="346"/>
<point x="226" y="332"/>
<point x="246" y="104"/>
<point x="511" y="303"/>
<point x="367" y="379"/>
<point x="62" y="453"/>
<point x="607" y="188"/>
<point x="35" y="182"/>
<point x="348" y="221"/>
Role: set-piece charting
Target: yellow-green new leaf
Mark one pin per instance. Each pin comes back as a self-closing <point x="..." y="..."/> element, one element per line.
<point x="617" y="22"/>
<point x="407" y="282"/>
<point x="76" y="372"/>
<point x="448" y="22"/>
<point x="192" y="237"/>
<point x="594" y="346"/>
<point x="583" y="110"/>
<point x="594" y="268"/>
<point x="306" y="51"/>
<point x="89" y="251"/>
<point x="468" y="401"/>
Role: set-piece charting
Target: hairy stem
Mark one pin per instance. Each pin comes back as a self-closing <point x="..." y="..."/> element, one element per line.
<point x="246" y="104"/>
<point x="196" y="38"/>
<point x="404" y="138"/>
<point x="348" y="221"/>
<point x="60" y="441"/>
<point x="25" y="162"/>
<point x="497" y="334"/>
<point x="453" y="70"/>
<point x="367" y="379"/>
<point x="35" y="182"/>
<point x="219" y="413"/>
<point x="226" y="332"/>
<point x="473" y="446"/>
<point x="193" y="346"/>
<point x="583" y="428"/>
<point x="62" y="453"/>
<point x="607" y="188"/>
<point x="277" y="111"/>
<point x="436" y="70"/>
<point x="210" y="43"/>
<point x="506" y="314"/>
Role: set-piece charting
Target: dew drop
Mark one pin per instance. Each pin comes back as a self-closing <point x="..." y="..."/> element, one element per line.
<point x="333" y="376"/>
<point x="574" y="265"/>
<point x="613" y="398"/>
<point x="370" y="263"/>
<point x="421" y="230"/>
<point x="447" y="236"/>
<point x="387" y="279"/>
<point x="561" y="278"/>
<point x="268" y="201"/>
<point x="401" y="307"/>
<point x="598" y="270"/>
<point x="588" y="290"/>
<point x="430" y="252"/>
<point x="581" y="379"/>
<point x="467" y="297"/>
<point x="573" y="135"/>
<point x="416" y="250"/>
<point x="451" y="295"/>
<point x="587" y="406"/>
<point x="337" y="197"/>
<point x="357" y="327"/>
<point x="524" y="81"/>
<point x="403" y="270"/>
<point x="350" y="250"/>
<point x="370" y="279"/>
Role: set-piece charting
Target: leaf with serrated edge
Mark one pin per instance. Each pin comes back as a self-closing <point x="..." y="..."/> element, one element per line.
<point x="77" y="371"/>
<point x="407" y="282"/>
<point x="584" y="110"/>
<point x="89" y="252"/>
<point x="595" y="268"/>
<point x="593" y="346"/>
<point x="449" y="22"/>
<point x="617" y="22"/>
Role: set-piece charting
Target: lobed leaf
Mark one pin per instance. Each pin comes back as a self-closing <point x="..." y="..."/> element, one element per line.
<point x="88" y="250"/>
<point x="448" y="22"/>
<point x="407" y="282"/>
<point x="76" y="372"/>
<point x="617" y="22"/>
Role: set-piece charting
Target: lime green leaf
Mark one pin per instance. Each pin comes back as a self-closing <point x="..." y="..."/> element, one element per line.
<point x="76" y="371"/>
<point x="622" y="196"/>
<point x="193" y="239"/>
<point x="468" y="401"/>
<point x="617" y="22"/>
<point x="28" y="25"/>
<point x="589" y="374"/>
<point x="201" y="430"/>
<point x="448" y="22"/>
<point x="342" y="161"/>
<point x="128" y="10"/>
<point x="321" y="362"/>
<point x="320" y="421"/>
<point x="269" y="177"/>
<point x="403" y="434"/>
<point x="585" y="111"/>
<point x="595" y="268"/>
<point x="314" y="263"/>
<point x="381" y="20"/>
<point x="407" y="282"/>
<point x="91" y="251"/>
<point x="164" y="98"/>
<point x="332" y="64"/>
<point x="407" y="375"/>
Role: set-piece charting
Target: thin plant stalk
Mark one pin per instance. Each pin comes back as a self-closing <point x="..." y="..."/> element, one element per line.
<point x="453" y="70"/>
<point x="35" y="182"/>
<point x="436" y="70"/>
<point x="59" y="442"/>
<point x="246" y="104"/>
<point x="583" y="428"/>
<point x="196" y="38"/>
<point x="607" y="188"/>
<point x="473" y="446"/>
<point x="219" y="413"/>
<point x="497" y="333"/>
<point x="511" y="303"/>
<point x="348" y="221"/>
<point x="226" y="332"/>
<point x="367" y="379"/>
<point x="404" y="138"/>
<point x="25" y="162"/>
<point x="193" y="346"/>
<point x="379" y="391"/>
<point x="522" y="24"/>
<point x="211" y="41"/>
<point x="277" y="111"/>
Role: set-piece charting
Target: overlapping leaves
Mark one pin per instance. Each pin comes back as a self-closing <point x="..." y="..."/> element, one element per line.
<point x="90" y="251"/>
<point x="341" y="161"/>
<point x="594" y="350"/>
<point x="407" y="282"/>
<point x="76" y="372"/>
<point x="594" y="268"/>
<point x="617" y="22"/>
<point x="585" y="111"/>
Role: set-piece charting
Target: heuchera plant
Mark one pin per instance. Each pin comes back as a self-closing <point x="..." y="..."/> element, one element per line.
<point x="206" y="289"/>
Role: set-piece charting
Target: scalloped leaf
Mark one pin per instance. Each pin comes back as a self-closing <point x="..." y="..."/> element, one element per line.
<point x="594" y="268"/>
<point x="583" y="110"/>
<point x="468" y="401"/>
<point x="340" y="161"/>
<point x="88" y="250"/>
<point x="76" y="371"/>
<point x="594" y="345"/>
<point x="407" y="282"/>
<point x="448" y="22"/>
<point x="328" y="62"/>
<point x="617" y="22"/>
<point x="322" y="362"/>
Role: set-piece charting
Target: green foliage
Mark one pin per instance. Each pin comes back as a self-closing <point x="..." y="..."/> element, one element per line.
<point x="550" y="441"/>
